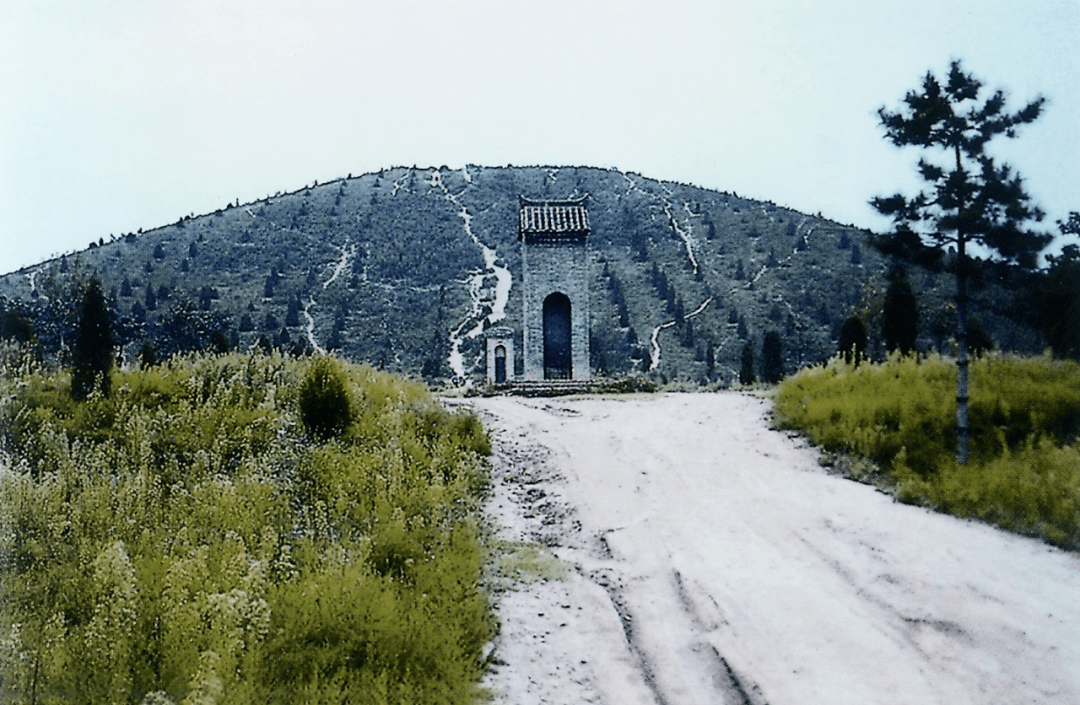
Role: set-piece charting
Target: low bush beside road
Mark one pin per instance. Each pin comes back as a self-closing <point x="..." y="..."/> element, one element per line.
<point x="1024" y="473"/>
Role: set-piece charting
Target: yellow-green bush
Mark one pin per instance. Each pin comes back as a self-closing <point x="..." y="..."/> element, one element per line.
<point x="1025" y="420"/>
<point x="185" y="541"/>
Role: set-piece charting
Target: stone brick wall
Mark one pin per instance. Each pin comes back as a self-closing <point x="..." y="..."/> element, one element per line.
<point x="549" y="267"/>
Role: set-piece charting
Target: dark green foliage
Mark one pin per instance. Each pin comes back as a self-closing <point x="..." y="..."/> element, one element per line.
<point x="270" y="284"/>
<point x="292" y="313"/>
<point x="219" y="342"/>
<point x="852" y="344"/>
<point x="188" y="328"/>
<point x="900" y="315"/>
<point x="13" y="326"/>
<point x="324" y="404"/>
<point x="206" y="297"/>
<point x="971" y="200"/>
<point x="1061" y="300"/>
<point x="746" y="367"/>
<point x="92" y="350"/>
<point x="147" y="355"/>
<point x="979" y="341"/>
<point x="772" y="358"/>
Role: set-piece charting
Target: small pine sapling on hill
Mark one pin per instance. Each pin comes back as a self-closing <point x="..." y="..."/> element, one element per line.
<point x="772" y="358"/>
<point x="92" y="351"/>
<point x="746" y="366"/>
<point x="900" y="314"/>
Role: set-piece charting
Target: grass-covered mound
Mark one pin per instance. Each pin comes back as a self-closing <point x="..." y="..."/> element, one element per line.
<point x="239" y="529"/>
<point x="1024" y="474"/>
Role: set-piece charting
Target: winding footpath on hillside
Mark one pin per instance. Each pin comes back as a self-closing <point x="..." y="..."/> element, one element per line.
<point x="713" y="561"/>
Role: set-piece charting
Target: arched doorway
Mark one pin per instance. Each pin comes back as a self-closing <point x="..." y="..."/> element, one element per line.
<point x="557" y="358"/>
<point x="500" y="364"/>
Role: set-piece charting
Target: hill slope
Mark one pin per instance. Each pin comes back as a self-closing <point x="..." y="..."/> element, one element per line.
<point x="406" y="267"/>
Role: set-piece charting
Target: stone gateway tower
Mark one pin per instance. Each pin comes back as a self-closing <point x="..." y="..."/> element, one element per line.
<point x="555" y="280"/>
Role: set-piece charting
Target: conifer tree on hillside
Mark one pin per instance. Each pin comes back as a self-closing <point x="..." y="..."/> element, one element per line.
<point x="772" y="358"/>
<point x="92" y="351"/>
<point x="900" y="314"/>
<point x="969" y="199"/>
<point x="746" y="367"/>
<point x="852" y="343"/>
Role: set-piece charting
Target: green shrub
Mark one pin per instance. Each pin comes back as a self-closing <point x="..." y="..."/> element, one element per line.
<point x="1025" y="421"/>
<point x="324" y="400"/>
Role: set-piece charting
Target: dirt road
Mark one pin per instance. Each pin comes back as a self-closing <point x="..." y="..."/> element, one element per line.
<point x="711" y="560"/>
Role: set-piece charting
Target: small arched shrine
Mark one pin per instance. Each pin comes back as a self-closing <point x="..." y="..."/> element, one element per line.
<point x="500" y="355"/>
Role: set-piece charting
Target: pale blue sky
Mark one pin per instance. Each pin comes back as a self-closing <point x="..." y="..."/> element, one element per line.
<point x="119" y="115"/>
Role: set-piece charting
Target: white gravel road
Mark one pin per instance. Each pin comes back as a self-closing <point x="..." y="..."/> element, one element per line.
<point x="713" y="561"/>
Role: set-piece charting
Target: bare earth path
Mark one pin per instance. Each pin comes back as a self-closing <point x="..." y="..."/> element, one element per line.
<point x="714" y="561"/>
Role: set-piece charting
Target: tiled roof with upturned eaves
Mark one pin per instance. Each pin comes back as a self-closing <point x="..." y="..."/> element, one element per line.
<point x="553" y="218"/>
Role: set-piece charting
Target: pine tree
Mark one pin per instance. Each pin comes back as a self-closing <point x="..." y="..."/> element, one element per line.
<point x="772" y="358"/>
<point x="970" y="200"/>
<point x="746" y="367"/>
<point x="900" y="315"/>
<point x="292" y="312"/>
<point x="92" y="351"/>
<point x="852" y="343"/>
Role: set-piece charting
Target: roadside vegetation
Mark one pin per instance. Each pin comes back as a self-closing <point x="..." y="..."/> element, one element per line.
<point x="238" y="528"/>
<point x="899" y="416"/>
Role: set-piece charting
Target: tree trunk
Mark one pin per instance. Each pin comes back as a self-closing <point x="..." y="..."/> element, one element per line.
<point x="963" y="430"/>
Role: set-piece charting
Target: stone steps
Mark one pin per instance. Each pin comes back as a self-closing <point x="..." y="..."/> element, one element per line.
<point x="548" y="387"/>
